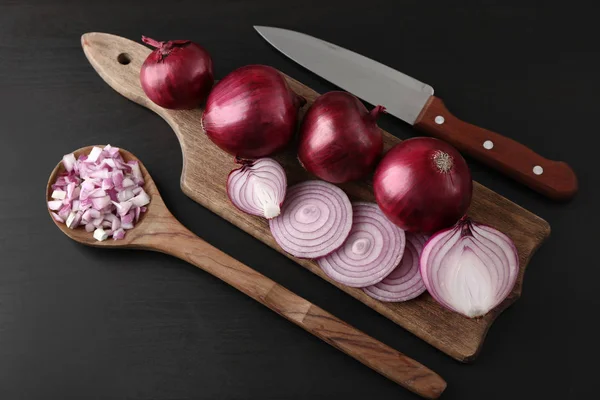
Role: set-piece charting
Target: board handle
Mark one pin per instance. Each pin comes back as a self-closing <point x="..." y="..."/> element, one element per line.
<point x="119" y="61"/>
<point x="554" y="179"/>
<point x="171" y="237"/>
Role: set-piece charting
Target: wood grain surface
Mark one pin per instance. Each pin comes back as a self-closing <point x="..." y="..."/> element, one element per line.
<point x="159" y="230"/>
<point x="205" y="168"/>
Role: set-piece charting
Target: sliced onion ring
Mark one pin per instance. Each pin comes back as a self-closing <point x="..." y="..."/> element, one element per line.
<point x="373" y="249"/>
<point x="404" y="282"/>
<point x="258" y="187"/>
<point x="315" y="219"/>
<point x="469" y="268"/>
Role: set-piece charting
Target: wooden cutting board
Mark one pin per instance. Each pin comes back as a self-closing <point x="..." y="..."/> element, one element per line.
<point x="205" y="169"/>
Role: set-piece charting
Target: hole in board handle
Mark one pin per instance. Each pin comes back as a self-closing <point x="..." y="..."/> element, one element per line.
<point x="124" y="58"/>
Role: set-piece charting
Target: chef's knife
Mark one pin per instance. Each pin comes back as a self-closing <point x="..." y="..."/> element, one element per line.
<point x="413" y="102"/>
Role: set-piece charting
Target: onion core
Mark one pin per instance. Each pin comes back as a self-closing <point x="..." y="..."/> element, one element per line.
<point x="258" y="187"/>
<point x="469" y="268"/>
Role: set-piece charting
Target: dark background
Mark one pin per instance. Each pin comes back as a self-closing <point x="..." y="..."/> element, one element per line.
<point x="82" y="323"/>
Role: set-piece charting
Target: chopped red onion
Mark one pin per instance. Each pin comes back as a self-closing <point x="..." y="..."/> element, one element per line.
<point x="469" y="268"/>
<point x="372" y="250"/>
<point x="258" y="187"/>
<point x="315" y="219"/>
<point x="57" y="217"/>
<point x="59" y="194"/>
<point x="99" y="191"/>
<point x="69" y="162"/>
<point x="55" y="204"/>
<point x="404" y="282"/>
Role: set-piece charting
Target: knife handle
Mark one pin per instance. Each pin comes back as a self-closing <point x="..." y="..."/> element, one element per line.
<point x="554" y="179"/>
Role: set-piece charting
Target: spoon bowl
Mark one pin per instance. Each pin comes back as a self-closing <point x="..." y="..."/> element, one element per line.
<point x="158" y="230"/>
<point x="156" y="208"/>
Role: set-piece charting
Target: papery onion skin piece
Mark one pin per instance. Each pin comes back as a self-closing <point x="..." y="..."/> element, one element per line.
<point x="178" y="74"/>
<point x="258" y="187"/>
<point x="404" y="282"/>
<point x="252" y="112"/>
<point x="469" y="268"/>
<point x="423" y="185"/>
<point x="372" y="250"/>
<point x="315" y="219"/>
<point x="339" y="139"/>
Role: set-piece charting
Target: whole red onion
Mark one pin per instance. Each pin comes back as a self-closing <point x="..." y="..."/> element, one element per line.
<point x="252" y="112"/>
<point x="177" y="75"/>
<point x="423" y="185"/>
<point x="339" y="139"/>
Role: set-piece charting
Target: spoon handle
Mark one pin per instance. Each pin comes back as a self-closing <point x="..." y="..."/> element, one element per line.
<point x="172" y="238"/>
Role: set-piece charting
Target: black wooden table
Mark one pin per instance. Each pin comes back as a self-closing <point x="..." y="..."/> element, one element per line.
<point x="81" y="323"/>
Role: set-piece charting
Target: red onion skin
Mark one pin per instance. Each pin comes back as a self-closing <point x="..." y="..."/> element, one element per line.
<point x="339" y="139"/>
<point x="252" y="112"/>
<point x="417" y="194"/>
<point x="177" y="75"/>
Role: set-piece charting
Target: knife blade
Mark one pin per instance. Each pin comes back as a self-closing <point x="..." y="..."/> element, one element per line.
<point x="414" y="102"/>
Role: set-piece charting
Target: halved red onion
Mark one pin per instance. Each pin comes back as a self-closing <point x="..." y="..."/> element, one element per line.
<point x="258" y="187"/>
<point x="372" y="250"/>
<point x="99" y="190"/>
<point x="404" y="282"/>
<point x="315" y="219"/>
<point x="469" y="268"/>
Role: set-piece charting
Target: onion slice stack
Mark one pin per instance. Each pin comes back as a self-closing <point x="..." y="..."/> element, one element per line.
<point x="403" y="283"/>
<point x="258" y="187"/>
<point x="315" y="219"/>
<point x="373" y="249"/>
<point x="469" y="268"/>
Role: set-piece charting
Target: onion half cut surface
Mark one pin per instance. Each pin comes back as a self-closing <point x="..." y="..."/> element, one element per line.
<point x="469" y="268"/>
<point x="315" y="219"/>
<point x="258" y="187"/>
<point x="404" y="282"/>
<point x="373" y="249"/>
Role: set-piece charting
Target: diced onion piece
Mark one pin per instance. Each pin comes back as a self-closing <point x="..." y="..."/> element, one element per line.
<point x="404" y="282"/>
<point x="69" y="162"/>
<point x="258" y="187"/>
<point x="94" y="154"/>
<point x="100" y="234"/>
<point x="136" y="172"/>
<point x="141" y="199"/>
<point x="57" y="217"/>
<point x="101" y="202"/>
<point x="315" y="219"/>
<point x="469" y="268"/>
<point x="372" y="250"/>
<point x="59" y="194"/>
<point x="119" y="234"/>
<point x="127" y="182"/>
<point x="125" y="195"/>
<point x="55" y="204"/>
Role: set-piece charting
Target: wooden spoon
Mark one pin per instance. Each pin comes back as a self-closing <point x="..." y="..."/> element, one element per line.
<point x="158" y="230"/>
